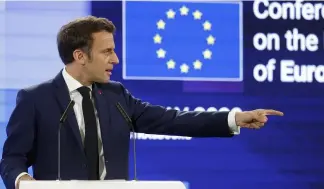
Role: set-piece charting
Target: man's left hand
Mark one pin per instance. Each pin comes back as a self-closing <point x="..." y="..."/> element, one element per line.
<point x="254" y="119"/>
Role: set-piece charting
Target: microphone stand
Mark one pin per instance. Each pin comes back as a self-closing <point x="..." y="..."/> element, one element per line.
<point x="62" y="120"/>
<point x="130" y="124"/>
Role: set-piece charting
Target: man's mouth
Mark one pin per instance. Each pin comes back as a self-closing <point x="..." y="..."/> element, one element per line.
<point x="109" y="71"/>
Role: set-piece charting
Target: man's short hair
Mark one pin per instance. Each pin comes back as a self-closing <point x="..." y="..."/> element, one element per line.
<point x="77" y="34"/>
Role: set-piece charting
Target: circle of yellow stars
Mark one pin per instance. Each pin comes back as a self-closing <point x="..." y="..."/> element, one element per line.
<point x="210" y="39"/>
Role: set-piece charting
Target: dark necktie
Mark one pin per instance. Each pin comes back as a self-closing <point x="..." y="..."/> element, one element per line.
<point x="91" y="135"/>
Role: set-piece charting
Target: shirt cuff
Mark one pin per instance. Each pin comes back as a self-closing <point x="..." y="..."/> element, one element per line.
<point x="232" y="123"/>
<point x="18" y="177"/>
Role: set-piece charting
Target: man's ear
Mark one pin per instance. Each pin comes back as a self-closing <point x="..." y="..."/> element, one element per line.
<point x="79" y="56"/>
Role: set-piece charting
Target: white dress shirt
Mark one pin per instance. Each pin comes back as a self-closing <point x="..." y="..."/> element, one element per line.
<point x="73" y="85"/>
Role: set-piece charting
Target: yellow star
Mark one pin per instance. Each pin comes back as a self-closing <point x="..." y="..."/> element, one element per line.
<point x="170" y="14"/>
<point x="184" y="10"/>
<point x="210" y="40"/>
<point x="171" y="64"/>
<point x="161" y="53"/>
<point x="207" y="54"/>
<point x="160" y="24"/>
<point x="184" y="68"/>
<point x="157" y="39"/>
<point x="197" y="65"/>
<point x="207" y="25"/>
<point x="197" y="15"/>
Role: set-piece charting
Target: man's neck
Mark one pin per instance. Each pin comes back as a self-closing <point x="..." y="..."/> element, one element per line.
<point x="77" y="74"/>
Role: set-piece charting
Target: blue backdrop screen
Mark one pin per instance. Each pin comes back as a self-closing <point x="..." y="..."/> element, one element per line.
<point x="204" y="56"/>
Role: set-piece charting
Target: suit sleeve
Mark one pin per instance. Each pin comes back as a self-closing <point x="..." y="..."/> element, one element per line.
<point x="152" y="119"/>
<point x="18" y="147"/>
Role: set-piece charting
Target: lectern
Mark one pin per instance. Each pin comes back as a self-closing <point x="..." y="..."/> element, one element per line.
<point x="107" y="184"/>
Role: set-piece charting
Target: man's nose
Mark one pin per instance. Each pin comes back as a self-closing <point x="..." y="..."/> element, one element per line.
<point x="115" y="59"/>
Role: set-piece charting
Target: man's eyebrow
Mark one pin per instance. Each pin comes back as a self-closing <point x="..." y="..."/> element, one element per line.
<point x="108" y="49"/>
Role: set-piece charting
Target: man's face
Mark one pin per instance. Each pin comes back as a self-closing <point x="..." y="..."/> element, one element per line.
<point x="102" y="58"/>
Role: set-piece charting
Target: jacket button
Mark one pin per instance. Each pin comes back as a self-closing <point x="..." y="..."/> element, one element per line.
<point x="84" y="166"/>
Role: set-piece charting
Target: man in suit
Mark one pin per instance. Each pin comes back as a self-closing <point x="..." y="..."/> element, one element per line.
<point x="95" y="137"/>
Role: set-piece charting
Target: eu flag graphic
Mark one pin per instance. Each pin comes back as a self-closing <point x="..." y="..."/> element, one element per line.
<point x="182" y="41"/>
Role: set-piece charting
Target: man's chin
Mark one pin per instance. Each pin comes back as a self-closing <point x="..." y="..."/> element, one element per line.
<point x="107" y="79"/>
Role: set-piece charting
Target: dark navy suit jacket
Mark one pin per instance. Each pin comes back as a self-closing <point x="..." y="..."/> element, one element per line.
<point x="32" y="130"/>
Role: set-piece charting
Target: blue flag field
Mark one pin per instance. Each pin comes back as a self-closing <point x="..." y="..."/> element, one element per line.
<point x="182" y="41"/>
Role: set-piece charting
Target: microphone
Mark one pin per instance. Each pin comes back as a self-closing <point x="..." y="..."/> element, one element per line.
<point x="62" y="120"/>
<point x="129" y="121"/>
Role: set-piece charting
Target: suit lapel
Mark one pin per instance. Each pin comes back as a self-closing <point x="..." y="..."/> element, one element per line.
<point x="63" y="97"/>
<point x="103" y="107"/>
<point x="104" y="100"/>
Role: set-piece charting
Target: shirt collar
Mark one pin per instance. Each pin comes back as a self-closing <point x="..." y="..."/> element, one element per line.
<point x="72" y="83"/>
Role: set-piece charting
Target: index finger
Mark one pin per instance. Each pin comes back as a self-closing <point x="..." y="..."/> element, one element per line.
<point x="273" y="112"/>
